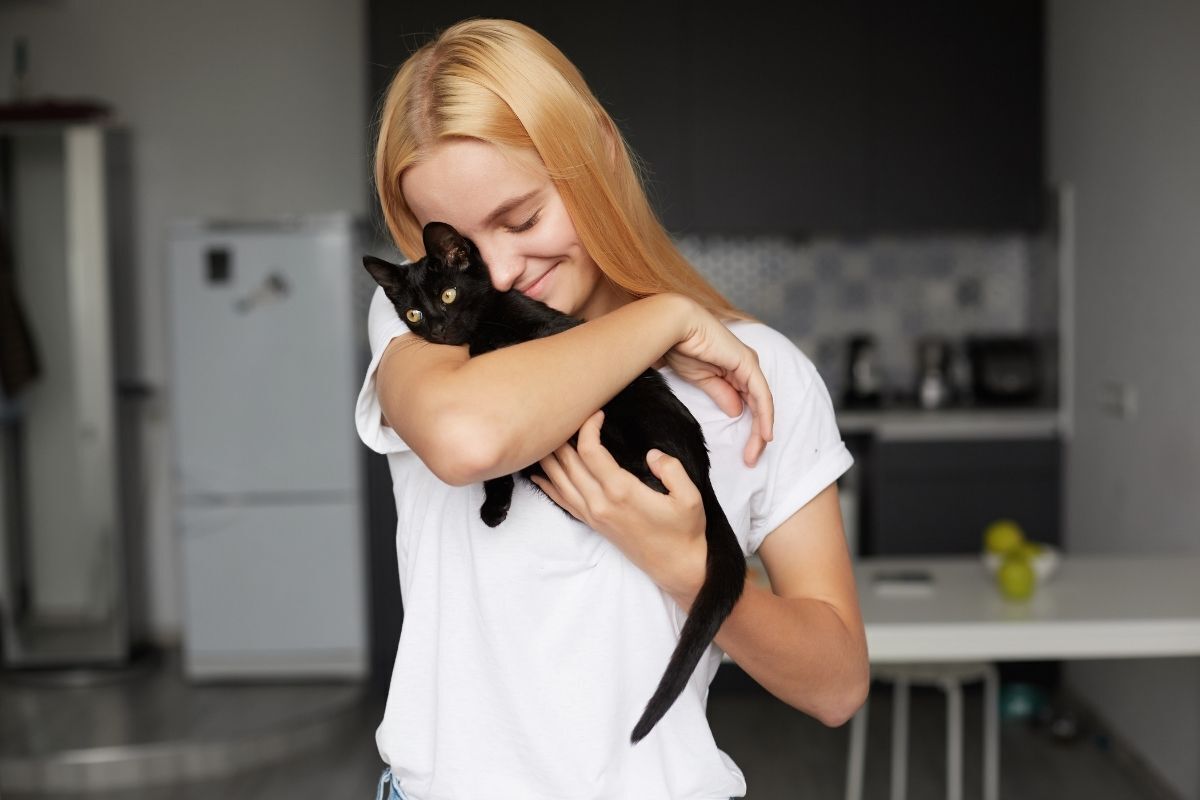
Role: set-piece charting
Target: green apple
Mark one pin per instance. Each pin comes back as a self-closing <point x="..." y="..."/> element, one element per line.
<point x="1030" y="550"/>
<point x="1016" y="578"/>
<point x="1003" y="536"/>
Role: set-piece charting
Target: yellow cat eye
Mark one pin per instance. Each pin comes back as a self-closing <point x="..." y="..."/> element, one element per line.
<point x="449" y="295"/>
<point x="414" y="316"/>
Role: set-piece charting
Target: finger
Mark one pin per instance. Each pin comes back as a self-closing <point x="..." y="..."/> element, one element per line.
<point x="670" y="471"/>
<point x="596" y="457"/>
<point x="548" y="487"/>
<point x="762" y="407"/>
<point x="762" y="404"/>
<point x="589" y="431"/>
<point x="723" y="394"/>
<point x="583" y="482"/>
<point x="754" y="449"/>
<point x="567" y="490"/>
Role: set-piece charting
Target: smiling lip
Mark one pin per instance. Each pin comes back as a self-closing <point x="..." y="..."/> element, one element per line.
<point x="534" y="289"/>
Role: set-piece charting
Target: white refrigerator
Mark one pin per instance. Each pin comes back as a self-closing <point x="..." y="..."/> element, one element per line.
<point x="269" y="505"/>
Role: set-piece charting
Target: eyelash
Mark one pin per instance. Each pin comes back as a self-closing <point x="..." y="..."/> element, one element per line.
<point x="527" y="224"/>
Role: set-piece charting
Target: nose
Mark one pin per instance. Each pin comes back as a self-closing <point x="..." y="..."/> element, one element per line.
<point x="504" y="266"/>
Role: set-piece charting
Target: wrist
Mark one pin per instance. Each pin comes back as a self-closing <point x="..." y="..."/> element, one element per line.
<point x="678" y="310"/>
<point x="690" y="571"/>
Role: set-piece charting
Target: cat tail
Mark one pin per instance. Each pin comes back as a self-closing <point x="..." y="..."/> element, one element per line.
<point x="724" y="578"/>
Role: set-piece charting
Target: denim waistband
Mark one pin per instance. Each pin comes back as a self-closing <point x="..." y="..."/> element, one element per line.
<point x="394" y="793"/>
<point x="387" y="788"/>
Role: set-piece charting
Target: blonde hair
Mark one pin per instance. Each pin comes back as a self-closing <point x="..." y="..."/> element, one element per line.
<point x="501" y="82"/>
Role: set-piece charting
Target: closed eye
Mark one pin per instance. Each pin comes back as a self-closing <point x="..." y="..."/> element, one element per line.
<point x="526" y="225"/>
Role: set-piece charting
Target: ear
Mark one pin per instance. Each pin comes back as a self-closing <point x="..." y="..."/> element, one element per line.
<point x="443" y="243"/>
<point x="385" y="273"/>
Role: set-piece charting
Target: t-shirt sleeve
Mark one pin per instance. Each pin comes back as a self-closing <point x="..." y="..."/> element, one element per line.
<point x="807" y="453"/>
<point x="383" y="325"/>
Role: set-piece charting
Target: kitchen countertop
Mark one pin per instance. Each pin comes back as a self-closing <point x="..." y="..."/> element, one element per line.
<point x="914" y="424"/>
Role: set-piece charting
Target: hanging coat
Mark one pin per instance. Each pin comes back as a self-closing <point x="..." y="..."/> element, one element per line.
<point x="19" y="364"/>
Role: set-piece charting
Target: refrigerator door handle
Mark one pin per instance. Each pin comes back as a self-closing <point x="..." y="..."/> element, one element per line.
<point x="273" y="287"/>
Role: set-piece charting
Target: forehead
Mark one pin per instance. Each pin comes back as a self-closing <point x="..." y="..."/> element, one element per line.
<point x="462" y="181"/>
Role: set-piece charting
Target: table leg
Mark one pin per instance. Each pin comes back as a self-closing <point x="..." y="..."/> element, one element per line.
<point x="954" y="739"/>
<point x="858" y="752"/>
<point x="899" y="738"/>
<point x="991" y="734"/>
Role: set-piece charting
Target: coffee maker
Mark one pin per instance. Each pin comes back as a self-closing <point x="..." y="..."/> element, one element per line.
<point x="864" y="373"/>
<point x="934" y="387"/>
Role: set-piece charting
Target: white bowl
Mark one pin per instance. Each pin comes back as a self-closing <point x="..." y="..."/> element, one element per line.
<point x="1045" y="564"/>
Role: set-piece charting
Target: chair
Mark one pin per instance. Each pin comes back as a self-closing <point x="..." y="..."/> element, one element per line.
<point x="949" y="677"/>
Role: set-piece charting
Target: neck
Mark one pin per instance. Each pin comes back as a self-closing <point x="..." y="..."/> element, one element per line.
<point x="607" y="297"/>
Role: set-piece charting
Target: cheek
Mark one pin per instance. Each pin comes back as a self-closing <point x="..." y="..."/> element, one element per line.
<point x="557" y="230"/>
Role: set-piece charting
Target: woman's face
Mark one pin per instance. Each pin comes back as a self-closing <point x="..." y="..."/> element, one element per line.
<point x="510" y="209"/>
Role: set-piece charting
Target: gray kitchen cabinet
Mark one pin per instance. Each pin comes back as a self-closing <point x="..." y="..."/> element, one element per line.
<point x="937" y="497"/>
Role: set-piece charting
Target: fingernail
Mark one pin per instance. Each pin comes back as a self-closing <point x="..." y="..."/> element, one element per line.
<point x="653" y="454"/>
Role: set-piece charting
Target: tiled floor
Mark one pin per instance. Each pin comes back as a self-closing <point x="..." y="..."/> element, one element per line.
<point x="786" y="755"/>
<point x="783" y="753"/>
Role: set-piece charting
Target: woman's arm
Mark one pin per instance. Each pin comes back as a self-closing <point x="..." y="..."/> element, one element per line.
<point x="803" y="640"/>
<point x="470" y="419"/>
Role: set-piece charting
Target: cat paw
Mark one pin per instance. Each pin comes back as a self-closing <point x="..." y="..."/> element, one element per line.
<point x="493" y="515"/>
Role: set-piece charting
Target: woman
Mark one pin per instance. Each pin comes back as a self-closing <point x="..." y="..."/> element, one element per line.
<point x="529" y="650"/>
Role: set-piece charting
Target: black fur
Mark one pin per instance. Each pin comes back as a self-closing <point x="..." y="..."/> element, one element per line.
<point x="644" y="415"/>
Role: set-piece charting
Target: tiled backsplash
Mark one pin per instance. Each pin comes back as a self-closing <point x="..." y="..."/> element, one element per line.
<point x="820" y="292"/>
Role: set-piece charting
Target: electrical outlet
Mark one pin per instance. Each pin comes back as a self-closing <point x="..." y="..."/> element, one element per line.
<point x="1119" y="399"/>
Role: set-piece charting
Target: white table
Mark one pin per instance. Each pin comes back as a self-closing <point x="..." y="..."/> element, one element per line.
<point x="1094" y="606"/>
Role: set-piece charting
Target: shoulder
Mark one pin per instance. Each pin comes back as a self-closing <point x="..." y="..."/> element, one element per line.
<point x="383" y="323"/>
<point x="783" y="363"/>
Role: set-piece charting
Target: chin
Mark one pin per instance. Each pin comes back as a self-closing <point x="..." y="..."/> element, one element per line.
<point x="570" y="311"/>
<point x="552" y="301"/>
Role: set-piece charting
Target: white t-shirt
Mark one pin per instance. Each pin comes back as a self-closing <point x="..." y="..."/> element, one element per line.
<point x="529" y="650"/>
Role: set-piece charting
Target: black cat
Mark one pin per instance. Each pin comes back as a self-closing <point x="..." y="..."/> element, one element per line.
<point x="447" y="298"/>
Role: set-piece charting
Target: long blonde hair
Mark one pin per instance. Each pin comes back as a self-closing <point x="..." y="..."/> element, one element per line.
<point x="501" y="82"/>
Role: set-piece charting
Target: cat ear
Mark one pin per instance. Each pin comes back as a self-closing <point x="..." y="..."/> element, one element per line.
<point x="443" y="243"/>
<point x="385" y="273"/>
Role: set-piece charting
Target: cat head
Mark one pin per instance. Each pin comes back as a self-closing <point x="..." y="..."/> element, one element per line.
<point x="441" y="295"/>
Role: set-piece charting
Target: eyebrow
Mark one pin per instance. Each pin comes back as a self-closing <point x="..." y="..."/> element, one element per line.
<point x="508" y="205"/>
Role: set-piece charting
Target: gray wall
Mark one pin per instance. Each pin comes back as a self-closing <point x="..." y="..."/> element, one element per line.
<point x="1124" y="130"/>
<point x="235" y="110"/>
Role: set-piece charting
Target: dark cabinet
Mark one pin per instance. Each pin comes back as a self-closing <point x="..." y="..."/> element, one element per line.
<point x="937" y="497"/>
<point x="831" y="118"/>
<point x="778" y="121"/>
<point x="955" y="121"/>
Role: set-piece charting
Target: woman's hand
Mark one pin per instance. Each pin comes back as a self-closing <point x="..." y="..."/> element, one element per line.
<point x="718" y="362"/>
<point x="663" y="534"/>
